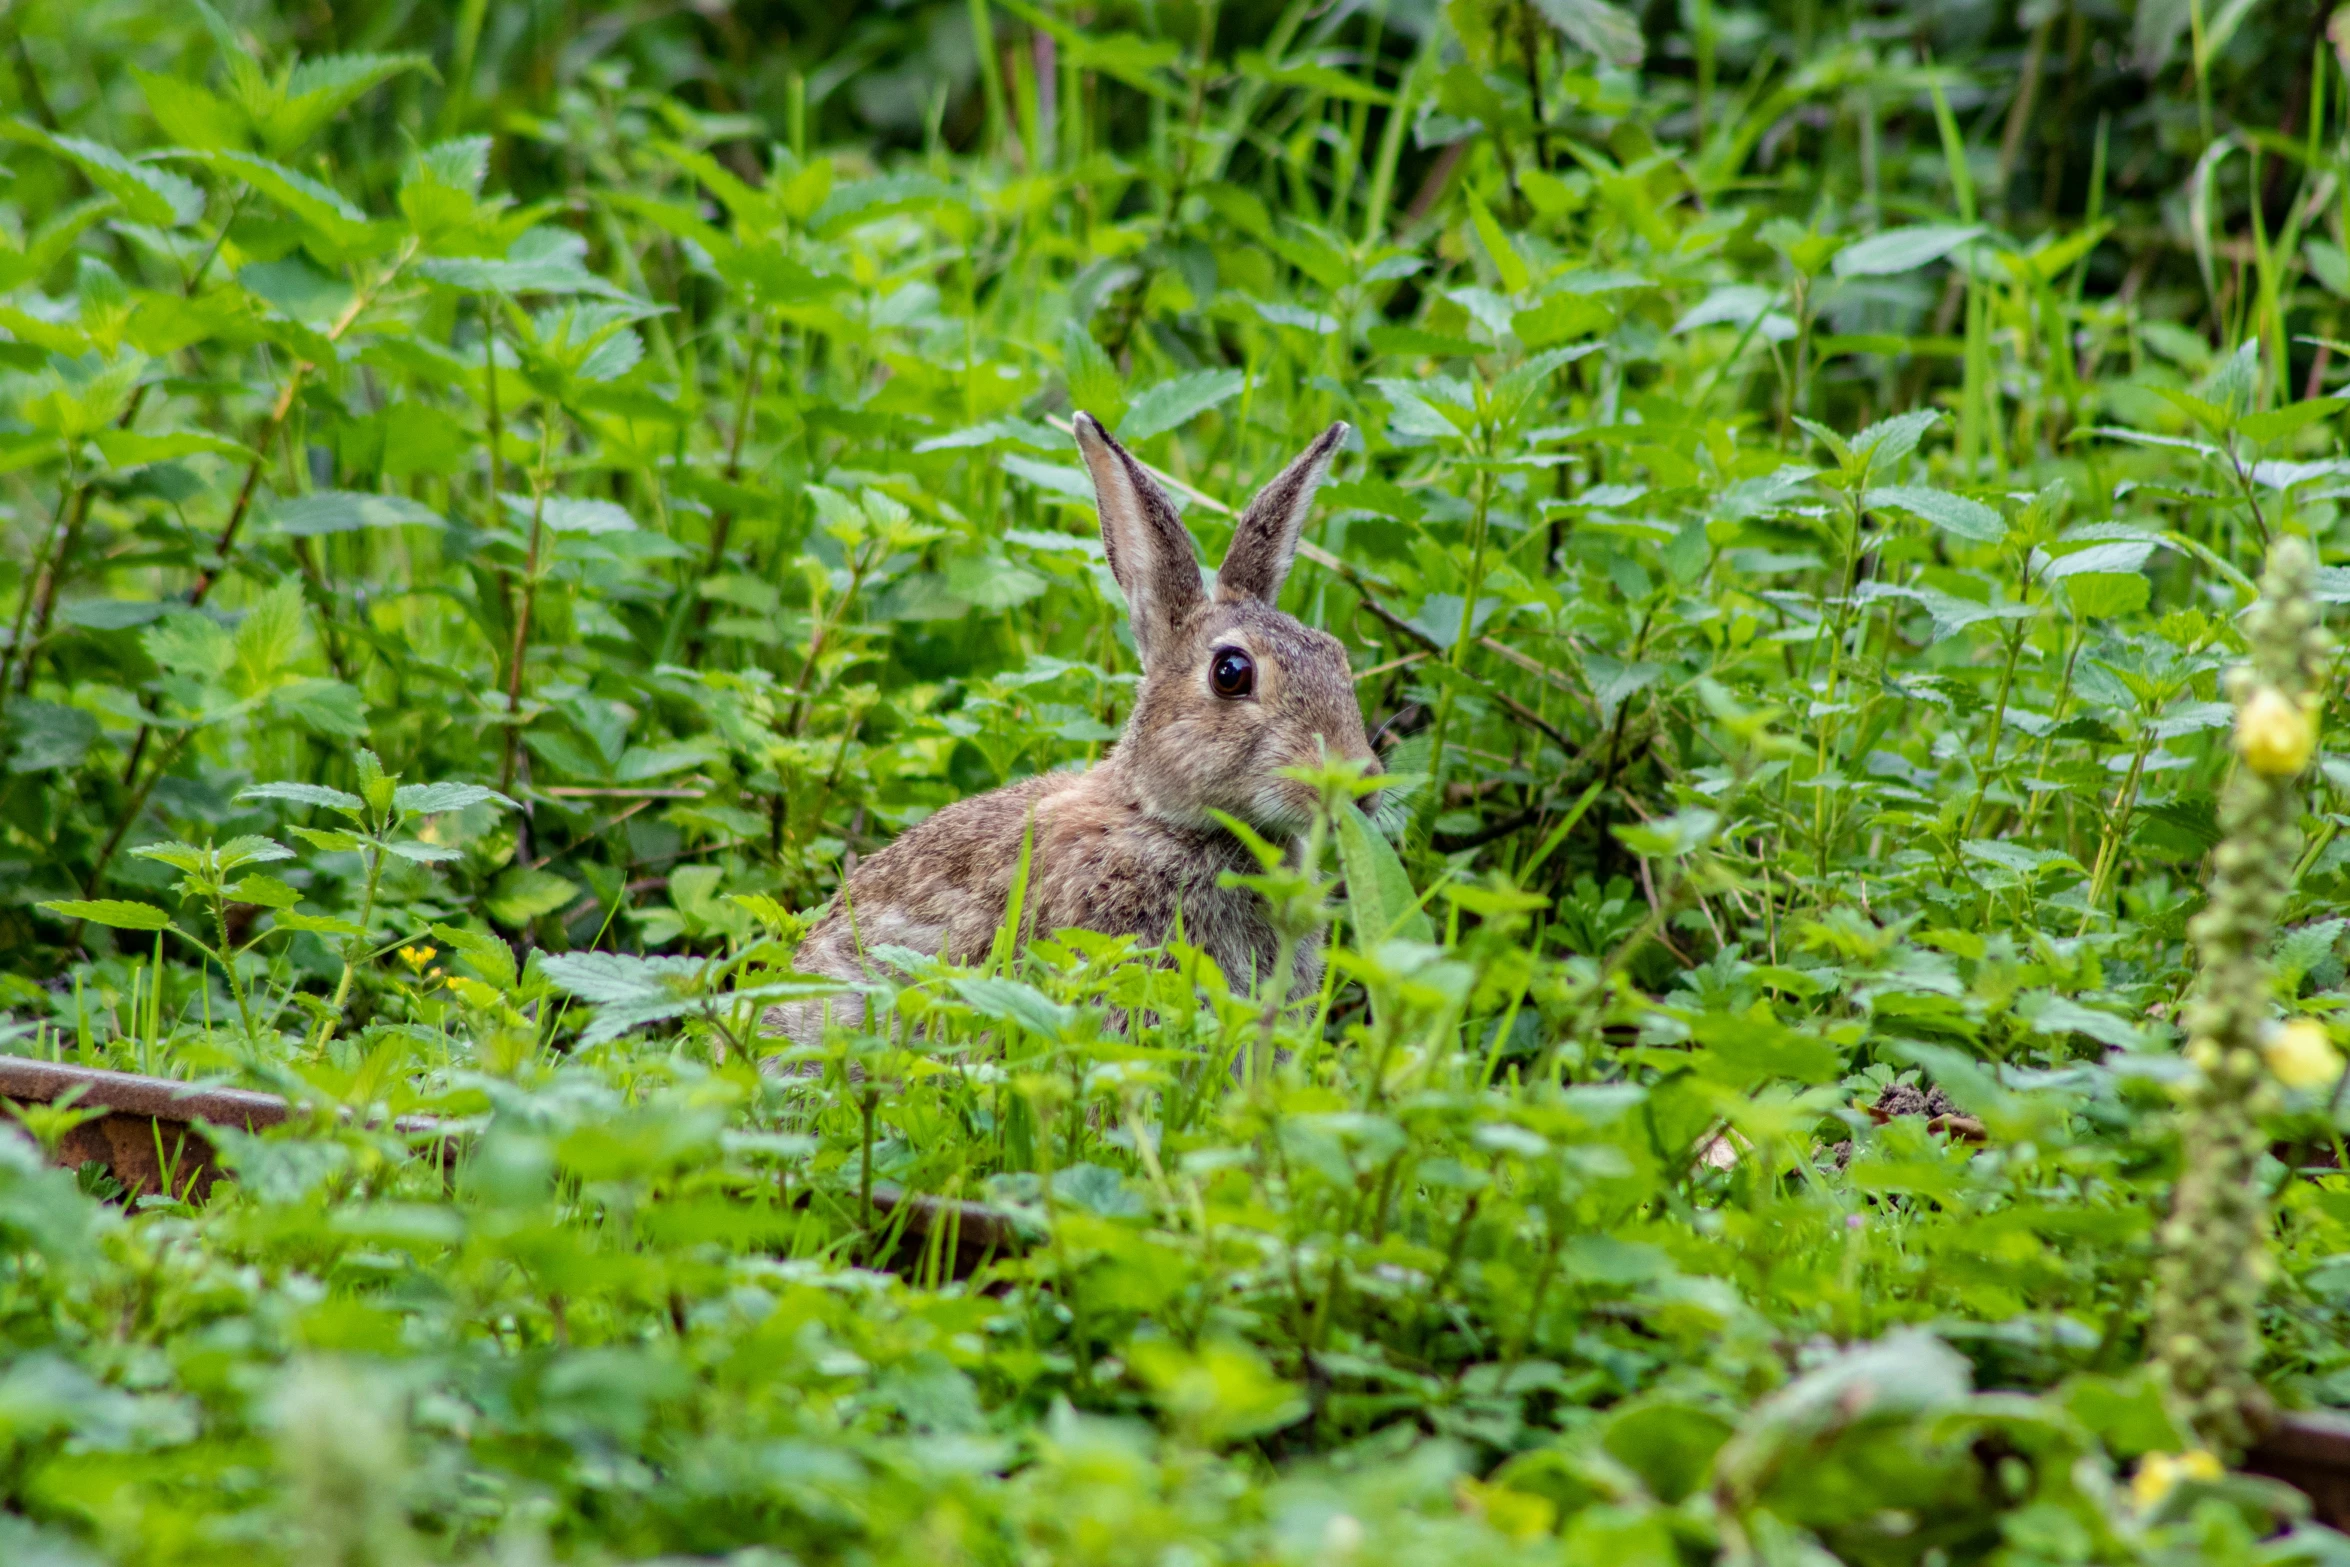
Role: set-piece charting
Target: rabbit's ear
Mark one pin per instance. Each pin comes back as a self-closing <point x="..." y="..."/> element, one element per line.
<point x="1267" y="535"/>
<point x="1151" y="553"/>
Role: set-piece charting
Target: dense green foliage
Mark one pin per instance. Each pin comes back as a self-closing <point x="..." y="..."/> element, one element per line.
<point x="501" y="501"/>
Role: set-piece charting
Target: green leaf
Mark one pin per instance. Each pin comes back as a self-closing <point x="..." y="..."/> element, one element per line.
<point x="489" y="956"/>
<point x="2328" y="264"/>
<point x="319" y="89"/>
<point x="1669" y="837"/>
<point x="1902" y="250"/>
<point x="189" y="115"/>
<point x="1515" y="278"/>
<point x="1059" y="478"/>
<point x="1380" y="899"/>
<point x="2106" y="595"/>
<point x="1746" y="1049"/>
<point x="1172" y="404"/>
<point x="266" y="891"/>
<point x="1009" y="1001"/>
<point x="55" y="336"/>
<point x="2055" y="257"/>
<point x="305" y="794"/>
<point x="1310" y="77"/>
<point x="48" y="736"/>
<point x="1888" y="441"/>
<point x="315" y="206"/>
<point x="148" y="194"/>
<point x="1953" y="514"/>
<point x="298" y="290"/>
<point x="1830" y="439"/>
<point x="270" y="637"/>
<point x="180" y="856"/>
<point x="316" y="924"/>
<point x="2210" y="416"/>
<point x="349" y="511"/>
<point x="2278" y="423"/>
<point x="49" y="243"/>
<point x="426" y="799"/>
<point x="1094" y="383"/>
<point x="1412" y="343"/>
<point x="621" y="978"/>
<point x="189" y="642"/>
<point x="2116" y="556"/>
<point x="324" y="706"/>
<point x="127" y="449"/>
<point x="115" y="913"/>
<point x="569" y="514"/>
<point x="521" y="895"/>
<point x="2232" y="385"/>
<point x="542" y="261"/>
<point x="1597" y="28"/>
<point x="247" y="849"/>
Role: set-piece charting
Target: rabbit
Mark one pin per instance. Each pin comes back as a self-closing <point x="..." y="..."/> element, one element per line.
<point x="1232" y="690"/>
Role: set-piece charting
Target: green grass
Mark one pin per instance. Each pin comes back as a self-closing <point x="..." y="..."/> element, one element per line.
<point x="490" y="530"/>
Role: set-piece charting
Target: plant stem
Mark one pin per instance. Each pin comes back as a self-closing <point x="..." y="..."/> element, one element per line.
<point x="539" y="481"/>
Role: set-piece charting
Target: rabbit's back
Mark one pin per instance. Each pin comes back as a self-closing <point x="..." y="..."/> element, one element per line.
<point x="1099" y="860"/>
<point x="940" y="887"/>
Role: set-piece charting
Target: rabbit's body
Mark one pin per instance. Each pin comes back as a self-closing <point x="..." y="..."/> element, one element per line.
<point x="1232" y="691"/>
<point x="1097" y="861"/>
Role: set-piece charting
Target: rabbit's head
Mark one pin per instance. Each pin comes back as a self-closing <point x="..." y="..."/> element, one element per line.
<point x="1233" y="690"/>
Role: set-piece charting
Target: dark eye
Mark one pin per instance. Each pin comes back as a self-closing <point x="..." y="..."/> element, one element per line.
<point x="1233" y="673"/>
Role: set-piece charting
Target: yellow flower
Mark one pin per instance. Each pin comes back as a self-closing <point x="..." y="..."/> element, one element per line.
<point x="417" y="957"/>
<point x="2274" y="735"/>
<point x="2159" y="1472"/>
<point x="2301" y="1054"/>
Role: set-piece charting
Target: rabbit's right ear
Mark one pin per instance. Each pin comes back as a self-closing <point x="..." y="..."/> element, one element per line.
<point x="1151" y="553"/>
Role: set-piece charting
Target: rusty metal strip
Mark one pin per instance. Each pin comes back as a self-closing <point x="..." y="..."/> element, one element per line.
<point x="2310" y="1450"/>
<point x="152" y="1136"/>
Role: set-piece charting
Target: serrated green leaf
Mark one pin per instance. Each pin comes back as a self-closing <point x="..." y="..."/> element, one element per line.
<point x="148" y="194"/>
<point x="2278" y="423"/>
<point x="1172" y="404"/>
<point x="1953" y="514"/>
<point x="316" y="924"/>
<point x="115" y="913"/>
<point x="521" y="895"/>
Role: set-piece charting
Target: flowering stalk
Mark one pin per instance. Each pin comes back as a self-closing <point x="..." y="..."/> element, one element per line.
<point x="2214" y="1265"/>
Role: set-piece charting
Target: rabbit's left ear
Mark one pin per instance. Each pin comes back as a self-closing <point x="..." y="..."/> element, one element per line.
<point x="1266" y="538"/>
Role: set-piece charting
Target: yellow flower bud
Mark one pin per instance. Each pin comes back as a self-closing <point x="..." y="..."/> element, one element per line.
<point x="2301" y="1055"/>
<point x="2274" y="735"/>
<point x="2159" y="1472"/>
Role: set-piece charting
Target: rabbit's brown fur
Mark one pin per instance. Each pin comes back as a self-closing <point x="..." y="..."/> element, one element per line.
<point x="1127" y="846"/>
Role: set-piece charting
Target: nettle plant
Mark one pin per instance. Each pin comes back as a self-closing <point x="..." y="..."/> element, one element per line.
<point x="226" y="883"/>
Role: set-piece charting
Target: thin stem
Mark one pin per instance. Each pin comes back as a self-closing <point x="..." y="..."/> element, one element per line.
<point x="2125" y="800"/>
<point x="351" y="949"/>
<point x="530" y="577"/>
<point x="44" y="564"/>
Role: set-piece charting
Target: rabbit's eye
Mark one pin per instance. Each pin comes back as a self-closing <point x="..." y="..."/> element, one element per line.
<point x="1233" y="673"/>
